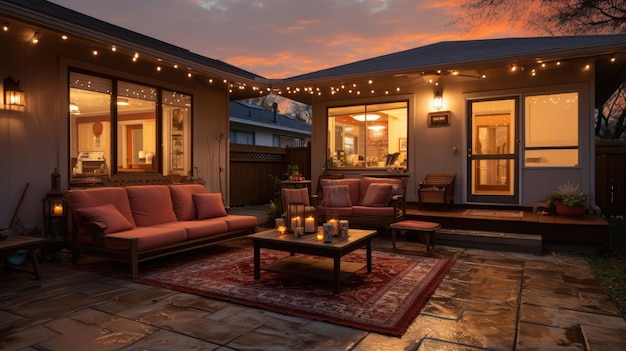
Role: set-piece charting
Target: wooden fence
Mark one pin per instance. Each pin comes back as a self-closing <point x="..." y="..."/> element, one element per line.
<point x="253" y="168"/>
<point x="611" y="178"/>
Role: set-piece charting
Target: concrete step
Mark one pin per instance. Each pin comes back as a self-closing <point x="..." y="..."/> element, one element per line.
<point x="476" y="239"/>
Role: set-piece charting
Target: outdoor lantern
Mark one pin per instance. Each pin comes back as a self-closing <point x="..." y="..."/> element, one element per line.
<point x="55" y="214"/>
<point x="13" y="94"/>
<point x="295" y="216"/>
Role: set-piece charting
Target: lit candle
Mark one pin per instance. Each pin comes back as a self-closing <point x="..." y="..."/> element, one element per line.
<point x="282" y="229"/>
<point x="295" y="222"/>
<point x="309" y="224"/>
<point x="57" y="210"/>
<point x="320" y="235"/>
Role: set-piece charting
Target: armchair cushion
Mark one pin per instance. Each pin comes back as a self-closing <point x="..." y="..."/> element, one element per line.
<point x="377" y="195"/>
<point x="108" y="214"/>
<point x="337" y="196"/>
<point x="296" y="195"/>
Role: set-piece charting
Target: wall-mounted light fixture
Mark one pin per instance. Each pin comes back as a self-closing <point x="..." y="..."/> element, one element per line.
<point x="13" y="94"/>
<point x="438" y="100"/>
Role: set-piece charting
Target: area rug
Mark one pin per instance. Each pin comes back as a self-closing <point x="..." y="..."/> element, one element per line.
<point x="495" y="213"/>
<point x="386" y="300"/>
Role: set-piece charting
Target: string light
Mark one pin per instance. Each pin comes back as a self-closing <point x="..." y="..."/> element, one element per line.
<point x="35" y="39"/>
<point x="5" y="26"/>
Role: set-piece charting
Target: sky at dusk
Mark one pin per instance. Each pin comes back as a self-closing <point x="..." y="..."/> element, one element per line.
<point x="285" y="38"/>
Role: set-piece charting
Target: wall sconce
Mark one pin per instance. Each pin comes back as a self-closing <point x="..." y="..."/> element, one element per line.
<point x="438" y="100"/>
<point x="13" y="94"/>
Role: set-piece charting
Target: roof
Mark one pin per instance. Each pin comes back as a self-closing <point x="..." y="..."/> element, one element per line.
<point x="243" y="112"/>
<point x="474" y="52"/>
<point x="59" y="17"/>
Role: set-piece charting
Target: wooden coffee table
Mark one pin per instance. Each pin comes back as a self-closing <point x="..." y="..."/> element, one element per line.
<point x="309" y="245"/>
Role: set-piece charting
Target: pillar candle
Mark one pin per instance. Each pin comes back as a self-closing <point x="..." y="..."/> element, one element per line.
<point x="309" y="224"/>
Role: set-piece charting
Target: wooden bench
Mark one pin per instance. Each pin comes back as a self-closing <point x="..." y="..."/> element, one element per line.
<point x="427" y="228"/>
<point x="436" y="188"/>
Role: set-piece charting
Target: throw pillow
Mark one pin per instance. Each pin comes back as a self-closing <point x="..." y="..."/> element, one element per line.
<point x="337" y="196"/>
<point x="108" y="215"/>
<point x="377" y="195"/>
<point x="209" y="205"/>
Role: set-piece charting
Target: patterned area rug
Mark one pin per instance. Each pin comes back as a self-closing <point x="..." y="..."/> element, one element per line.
<point x="384" y="301"/>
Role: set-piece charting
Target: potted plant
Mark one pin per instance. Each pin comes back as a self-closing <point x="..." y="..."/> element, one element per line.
<point x="569" y="200"/>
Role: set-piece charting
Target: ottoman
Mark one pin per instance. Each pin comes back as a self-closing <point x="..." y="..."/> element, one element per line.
<point x="427" y="228"/>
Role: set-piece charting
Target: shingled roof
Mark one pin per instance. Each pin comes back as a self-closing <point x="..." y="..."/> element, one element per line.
<point x="475" y="52"/>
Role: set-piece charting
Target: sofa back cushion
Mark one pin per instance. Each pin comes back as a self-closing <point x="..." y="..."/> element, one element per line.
<point x="182" y="200"/>
<point x="85" y="198"/>
<point x="337" y="196"/>
<point x="353" y="184"/>
<point x="151" y="204"/>
<point x="377" y="195"/>
<point x="209" y="205"/>
<point x="397" y="186"/>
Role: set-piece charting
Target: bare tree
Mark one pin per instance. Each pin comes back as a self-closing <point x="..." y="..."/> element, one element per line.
<point x="555" y="17"/>
<point x="300" y="111"/>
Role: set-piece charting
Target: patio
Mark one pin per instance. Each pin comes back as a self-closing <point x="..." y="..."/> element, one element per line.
<point x="492" y="300"/>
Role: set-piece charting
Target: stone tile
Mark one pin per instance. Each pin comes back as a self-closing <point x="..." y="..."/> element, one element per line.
<point x="476" y="292"/>
<point x="593" y="303"/>
<point x="7" y="319"/>
<point x="20" y="339"/>
<point x="442" y="345"/>
<point x="164" y="340"/>
<point x="137" y="302"/>
<point x="541" y="337"/>
<point x="74" y="335"/>
<point x="556" y="317"/>
<point x="193" y="323"/>
<point x="604" y="339"/>
<point x="112" y="322"/>
<point x="378" y="342"/>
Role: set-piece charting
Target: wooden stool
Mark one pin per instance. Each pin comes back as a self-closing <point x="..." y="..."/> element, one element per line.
<point x="428" y="228"/>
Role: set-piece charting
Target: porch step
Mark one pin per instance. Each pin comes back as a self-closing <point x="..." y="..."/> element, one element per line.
<point x="476" y="239"/>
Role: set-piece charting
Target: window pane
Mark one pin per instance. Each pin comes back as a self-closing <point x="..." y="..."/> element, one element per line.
<point x="176" y="133"/>
<point x="136" y="128"/>
<point x="90" y="127"/>
<point x="551" y="130"/>
<point x="367" y="135"/>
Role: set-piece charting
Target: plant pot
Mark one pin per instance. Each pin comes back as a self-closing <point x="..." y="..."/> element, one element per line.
<point x="570" y="211"/>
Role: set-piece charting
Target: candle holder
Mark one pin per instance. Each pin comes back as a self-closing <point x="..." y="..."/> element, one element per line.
<point x="295" y="216"/>
<point x="280" y="225"/>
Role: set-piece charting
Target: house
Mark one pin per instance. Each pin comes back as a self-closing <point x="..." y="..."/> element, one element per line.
<point x="513" y="118"/>
<point x="254" y="125"/>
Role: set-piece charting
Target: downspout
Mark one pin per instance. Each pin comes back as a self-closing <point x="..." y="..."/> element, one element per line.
<point x="275" y="109"/>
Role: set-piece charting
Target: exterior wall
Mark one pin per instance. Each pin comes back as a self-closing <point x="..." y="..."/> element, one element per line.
<point x="444" y="149"/>
<point x="35" y="140"/>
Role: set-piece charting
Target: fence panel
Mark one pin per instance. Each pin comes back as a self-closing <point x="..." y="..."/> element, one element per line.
<point x="611" y="179"/>
<point x="252" y="169"/>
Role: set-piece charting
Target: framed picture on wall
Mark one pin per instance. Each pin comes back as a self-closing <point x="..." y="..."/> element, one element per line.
<point x="439" y="119"/>
<point x="402" y="144"/>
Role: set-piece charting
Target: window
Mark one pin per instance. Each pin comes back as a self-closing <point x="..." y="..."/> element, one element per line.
<point x="241" y="137"/>
<point x="368" y="136"/>
<point x="118" y="127"/>
<point x="551" y="130"/>
<point x="285" y="141"/>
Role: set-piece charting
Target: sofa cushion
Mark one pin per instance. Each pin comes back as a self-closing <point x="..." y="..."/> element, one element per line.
<point x="182" y="200"/>
<point x="151" y="204"/>
<point x="368" y="211"/>
<point x="396" y="184"/>
<point x="100" y="196"/>
<point x="209" y="205"/>
<point x="239" y="222"/>
<point x="337" y="196"/>
<point x="108" y="215"/>
<point x="334" y="212"/>
<point x="377" y="195"/>
<point x="200" y="228"/>
<point x="147" y="238"/>
<point x="354" y="187"/>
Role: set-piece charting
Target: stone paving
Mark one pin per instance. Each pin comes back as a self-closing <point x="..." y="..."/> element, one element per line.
<point x="489" y="300"/>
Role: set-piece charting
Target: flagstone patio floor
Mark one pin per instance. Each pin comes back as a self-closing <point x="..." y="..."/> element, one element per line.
<point x="489" y="300"/>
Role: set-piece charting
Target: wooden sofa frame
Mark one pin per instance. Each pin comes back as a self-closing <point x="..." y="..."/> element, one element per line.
<point x="436" y="188"/>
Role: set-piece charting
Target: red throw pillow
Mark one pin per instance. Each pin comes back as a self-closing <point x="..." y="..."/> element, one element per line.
<point x="377" y="195"/>
<point x="337" y="196"/>
<point x="108" y="215"/>
<point x="209" y="205"/>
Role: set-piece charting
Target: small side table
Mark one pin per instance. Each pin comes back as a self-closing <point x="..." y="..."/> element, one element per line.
<point x="19" y="242"/>
<point x="428" y="228"/>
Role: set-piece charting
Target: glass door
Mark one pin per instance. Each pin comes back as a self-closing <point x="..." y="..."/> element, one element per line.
<point x="493" y="151"/>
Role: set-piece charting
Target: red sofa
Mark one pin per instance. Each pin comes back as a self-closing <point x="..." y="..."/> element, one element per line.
<point x="137" y="223"/>
<point x="364" y="202"/>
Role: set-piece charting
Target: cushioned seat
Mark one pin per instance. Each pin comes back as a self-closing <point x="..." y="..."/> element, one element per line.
<point x="427" y="228"/>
